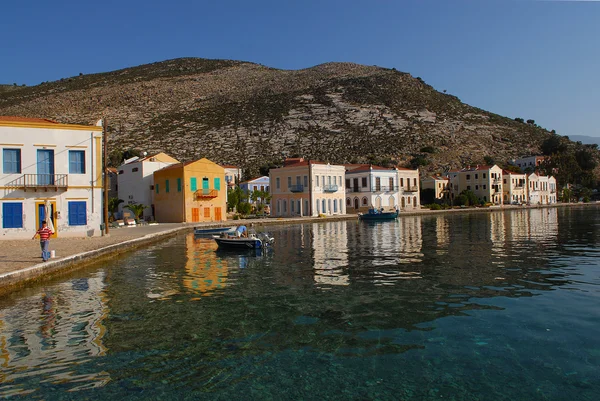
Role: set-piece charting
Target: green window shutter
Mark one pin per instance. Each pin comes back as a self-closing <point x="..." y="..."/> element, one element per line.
<point x="156" y="188"/>
<point x="218" y="184"/>
<point x="179" y="185"/>
<point x="167" y="186"/>
<point x="193" y="184"/>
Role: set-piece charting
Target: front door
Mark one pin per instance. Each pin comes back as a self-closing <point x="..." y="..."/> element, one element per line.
<point x="41" y="215"/>
<point x="205" y="186"/>
<point x="45" y="166"/>
<point x="218" y="216"/>
<point x="356" y="204"/>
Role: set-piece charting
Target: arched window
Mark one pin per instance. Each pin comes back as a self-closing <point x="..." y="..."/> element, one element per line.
<point x="365" y="202"/>
<point x="318" y="207"/>
<point x="284" y="206"/>
<point x="348" y="202"/>
<point x="414" y="201"/>
<point x="324" y="208"/>
<point x="392" y="202"/>
<point x="356" y="203"/>
<point x="335" y="205"/>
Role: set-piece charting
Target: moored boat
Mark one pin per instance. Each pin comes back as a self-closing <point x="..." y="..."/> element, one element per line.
<point x="252" y="241"/>
<point x="378" y="215"/>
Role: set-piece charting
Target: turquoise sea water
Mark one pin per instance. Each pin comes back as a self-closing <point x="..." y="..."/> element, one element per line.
<point x="499" y="306"/>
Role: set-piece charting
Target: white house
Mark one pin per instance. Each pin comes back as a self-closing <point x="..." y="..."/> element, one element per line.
<point x="409" y="189"/>
<point x="307" y="188"/>
<point x="50" y="171"/>
<point x="233" y="175"/>
<point x="136" y="180"/>
<point x="369" y="186"/>
<point x="256" y="184"/>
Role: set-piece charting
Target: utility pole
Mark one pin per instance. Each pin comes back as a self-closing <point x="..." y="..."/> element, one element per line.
<point x="105" y="174"/>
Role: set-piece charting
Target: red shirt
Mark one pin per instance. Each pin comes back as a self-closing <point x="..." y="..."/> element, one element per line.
<point x="44" y="233"/>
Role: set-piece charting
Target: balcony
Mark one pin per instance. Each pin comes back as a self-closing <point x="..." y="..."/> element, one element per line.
<point x="44" y="182"/>
<point x="205" y="193"/>
<point x="411" y="189"/>
<point x="296" y="188"/>
<point x="330" y="188"/>
<point x="384" y="188"/>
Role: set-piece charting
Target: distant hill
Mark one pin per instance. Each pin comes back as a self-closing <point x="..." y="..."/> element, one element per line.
<point x="586" y="140"/>
<point x="250" y="115"/>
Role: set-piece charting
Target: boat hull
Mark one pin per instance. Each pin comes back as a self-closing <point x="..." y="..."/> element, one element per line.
<point x="238" y="243"/>
<point x="379" y="216"/>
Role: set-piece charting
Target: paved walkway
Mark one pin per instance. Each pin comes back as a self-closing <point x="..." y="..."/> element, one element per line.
<point x="18" y="254"/>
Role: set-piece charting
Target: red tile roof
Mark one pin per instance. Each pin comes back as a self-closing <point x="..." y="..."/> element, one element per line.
<point x="358" y="168"/>
<point x="27" y="119"/>
<point x="228" y="166"/>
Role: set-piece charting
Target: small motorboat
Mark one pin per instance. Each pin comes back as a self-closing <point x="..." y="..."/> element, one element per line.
<point x="378" y="215"/>
<point x="213" y="230"/>
<point x="252" y="241"/>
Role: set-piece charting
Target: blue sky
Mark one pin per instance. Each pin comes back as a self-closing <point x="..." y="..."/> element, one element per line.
<point x="529" y="59"/>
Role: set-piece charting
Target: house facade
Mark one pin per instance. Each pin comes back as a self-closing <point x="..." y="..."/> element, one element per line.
<point x="190" y="192"/>
<point x="136" y="180"/>
<point x="257" y="184"/>
<point x="409" y="184"/>
<point x="307" y="188"/>
<point x="514" y="187"/>
<point x="529" y="164"/>
<point x="233" y="175"/>
<point x="369" y="186"/>
<point x="484" y="181"/>
<point x="50" y="171"/>
<point x="440" y="186"/>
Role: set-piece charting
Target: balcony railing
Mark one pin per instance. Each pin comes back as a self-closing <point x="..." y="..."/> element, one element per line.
<point x="384" y="188"/>
<point x="41" y="181"/>
<point x="206" y="193"/>
<point x="296" y="188"/>
<point x="330" y="188"/>
<point x="411" y="189"/>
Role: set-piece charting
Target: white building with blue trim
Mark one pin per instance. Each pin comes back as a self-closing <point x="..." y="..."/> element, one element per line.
<point x="49" y="169"/>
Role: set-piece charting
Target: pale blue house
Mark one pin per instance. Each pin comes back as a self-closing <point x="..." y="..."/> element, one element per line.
<point x="260" y="184"/>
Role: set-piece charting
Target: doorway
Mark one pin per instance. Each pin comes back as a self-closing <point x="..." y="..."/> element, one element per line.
<point x="40" y="215"/>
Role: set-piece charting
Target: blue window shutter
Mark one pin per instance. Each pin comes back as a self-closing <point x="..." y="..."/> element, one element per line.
<point x="179" y="185"/>
<point x="11" y="161"/>
<point x="217" y="184"/>
<point x="193" y="184"/>
<point x="77" y="214"/>
<point x="156" y="188"/>
<point x="167" y="186"/>
<point x="76" y="162"/>
<point x="12" y="215"/>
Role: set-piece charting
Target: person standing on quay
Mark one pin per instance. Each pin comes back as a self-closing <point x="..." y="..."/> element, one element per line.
<point x="44" y="234"/>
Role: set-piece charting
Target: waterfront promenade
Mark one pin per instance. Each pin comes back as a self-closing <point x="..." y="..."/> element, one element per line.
<point x="20" y="260"/>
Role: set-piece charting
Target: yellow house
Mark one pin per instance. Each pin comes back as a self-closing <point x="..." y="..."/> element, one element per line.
<point x="190" y="192"/>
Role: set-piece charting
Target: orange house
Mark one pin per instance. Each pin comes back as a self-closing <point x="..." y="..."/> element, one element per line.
<point x="190" y="192"/>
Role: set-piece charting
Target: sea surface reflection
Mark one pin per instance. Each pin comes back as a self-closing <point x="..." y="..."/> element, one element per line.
<point x="488" y="306"/>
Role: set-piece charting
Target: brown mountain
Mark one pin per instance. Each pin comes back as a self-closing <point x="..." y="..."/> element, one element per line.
<point x="248" y="114"/>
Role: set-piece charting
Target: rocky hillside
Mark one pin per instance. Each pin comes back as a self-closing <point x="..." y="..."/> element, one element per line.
<point x="247" y="114"/>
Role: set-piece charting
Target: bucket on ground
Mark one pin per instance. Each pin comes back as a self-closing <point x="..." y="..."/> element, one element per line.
<point x="52" y="254"/>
